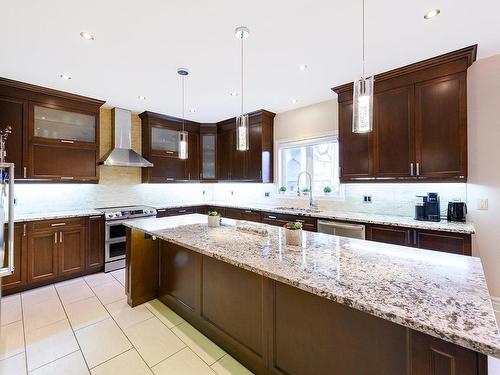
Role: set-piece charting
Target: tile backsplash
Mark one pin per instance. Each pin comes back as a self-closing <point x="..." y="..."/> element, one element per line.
<point x="387" y="198"/>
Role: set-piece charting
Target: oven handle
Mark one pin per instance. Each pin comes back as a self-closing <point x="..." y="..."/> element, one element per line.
<point x="117" y="240"/>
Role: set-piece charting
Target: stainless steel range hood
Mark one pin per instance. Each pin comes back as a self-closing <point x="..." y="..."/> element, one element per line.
<point x="122" y="154"/>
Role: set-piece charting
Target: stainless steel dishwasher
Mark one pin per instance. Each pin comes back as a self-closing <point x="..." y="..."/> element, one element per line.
<point x="342" y="229"/>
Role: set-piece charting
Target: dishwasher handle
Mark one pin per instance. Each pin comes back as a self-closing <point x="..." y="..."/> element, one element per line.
<point x="336" y="224"/>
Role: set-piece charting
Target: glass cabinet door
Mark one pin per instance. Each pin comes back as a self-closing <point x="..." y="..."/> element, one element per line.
<point x="208" y="151"/>
<point x="58" y="124"/>
<point x="165" y="140"/>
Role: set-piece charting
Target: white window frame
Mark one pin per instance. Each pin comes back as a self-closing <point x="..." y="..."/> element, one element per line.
<point x="299" y="142"/>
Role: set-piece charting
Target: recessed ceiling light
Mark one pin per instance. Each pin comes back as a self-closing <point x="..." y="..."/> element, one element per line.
<point x="302" y="67"/>
<point x="87" y="35"/>
<point x="432" y="13"/>
<point x="294" y="101"/>
<point x="234" y="93"/>
<point x="65" y="76"/>
<point x="141" y="97"/>
<point x="192" y="110"/>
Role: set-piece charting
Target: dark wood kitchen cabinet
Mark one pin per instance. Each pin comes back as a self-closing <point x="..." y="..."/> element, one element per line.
<point x="55" y="134"/>
<point x="255" y="164"/>
<point x="95" y="243"/>
<point x="441" y="127"/>
<point x="419" y="124"/>
<point x="208" y="150"/>
<point x="18" y="278"/>
<point x="448" y="242"/>
<point x="354" y="148"/>
<point x="389" y="234"/>
<point x="160" y="135"/>
<point x="56" y="249"/>
<point x="393" y="136"/>
<point x="14" y="113"/>
<point x="42" y="256"/>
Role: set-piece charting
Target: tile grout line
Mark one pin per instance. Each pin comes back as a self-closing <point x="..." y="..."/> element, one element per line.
<point x="24" y="333"/>
<point x="71" y="326"/>
<point x="120" y="328"/>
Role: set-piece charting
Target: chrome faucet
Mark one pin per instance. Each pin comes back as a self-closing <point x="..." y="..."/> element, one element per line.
<point x="312" y="203"/>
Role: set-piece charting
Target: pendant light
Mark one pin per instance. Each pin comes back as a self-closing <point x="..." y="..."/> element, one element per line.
<point x="242" y="130"/>
<point x="362" y="112"/>
<point x="183" y="135"/>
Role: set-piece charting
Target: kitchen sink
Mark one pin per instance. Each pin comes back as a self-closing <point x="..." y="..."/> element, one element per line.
<point x="296" y="209"/>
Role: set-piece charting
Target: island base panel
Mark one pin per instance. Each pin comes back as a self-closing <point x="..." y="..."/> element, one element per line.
<point x="277" y="329"/>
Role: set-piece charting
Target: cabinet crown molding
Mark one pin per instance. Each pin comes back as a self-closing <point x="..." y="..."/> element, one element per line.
<point x="468" y="53"/>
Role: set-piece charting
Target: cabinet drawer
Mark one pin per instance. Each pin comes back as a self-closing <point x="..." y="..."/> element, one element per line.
<point x="305" y="220"/>
<point x="181" y="211"/>
<point x="162" y="212"/>
<point x="44" y="225"/>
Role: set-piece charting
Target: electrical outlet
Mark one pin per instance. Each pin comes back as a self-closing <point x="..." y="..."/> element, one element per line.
<point x="367" y="199"/>
<point x="232" y="192"/>
<point x="203" y="192"/>
<point x="267" y="194"/>
<point x="482" y="204"/>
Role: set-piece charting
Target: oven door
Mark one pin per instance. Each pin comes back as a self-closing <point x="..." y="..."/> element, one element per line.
<point x="115" y="250"/>
<point x="116" y="240"/>
<point x="115" y="230"/>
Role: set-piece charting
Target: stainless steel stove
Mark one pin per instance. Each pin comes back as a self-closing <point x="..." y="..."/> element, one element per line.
<point x="115" y="232"/>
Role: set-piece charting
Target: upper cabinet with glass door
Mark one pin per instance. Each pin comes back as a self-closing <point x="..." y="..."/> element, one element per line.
<point x="164" y="141"/>
<point x="66" y="126"/>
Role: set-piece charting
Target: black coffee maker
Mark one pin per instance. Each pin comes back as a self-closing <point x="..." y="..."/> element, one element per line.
<point x="429" y="209"/>
<point x="457" y="211"/>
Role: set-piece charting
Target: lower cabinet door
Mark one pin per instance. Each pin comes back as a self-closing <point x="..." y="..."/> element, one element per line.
<point x="456" y="243"/>
<point x="387" y="234"/>
<point x="95" y="247"/>
<point x="18" y="278"/>
<point x="42" y="256"/>
<point x="71" y="251"/>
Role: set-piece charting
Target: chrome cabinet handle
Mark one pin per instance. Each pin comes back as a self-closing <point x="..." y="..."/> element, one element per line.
<point x="60" y="237"/>
<point x="55" y="237"/>
<point x="248" y="211"/>
<point x="24" y="230"/>
<point x="67" y="141"/>
<point x="411" y="169"/>
<point x="67" y="178"/>
<point x="418" y="169"/>
<point x="271" y="217"/>
<point x="24" y="172"/>
<point x="57" y="224"/>
<point x="169" y="152"/>
<point x="181" y="211"/>
<point x="169" y="179"/>
<point x="161" y="210"/>
<point x="95" y="217"/>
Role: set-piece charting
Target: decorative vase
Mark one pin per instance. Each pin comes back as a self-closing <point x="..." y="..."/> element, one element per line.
<point x="214" y="221"/>
<point x="293" y="237"/>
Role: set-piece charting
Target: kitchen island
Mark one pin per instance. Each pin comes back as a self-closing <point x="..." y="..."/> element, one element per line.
<point x="331" y="306"/>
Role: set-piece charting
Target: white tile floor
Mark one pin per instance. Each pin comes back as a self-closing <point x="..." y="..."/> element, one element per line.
<point x="85" y="326"/>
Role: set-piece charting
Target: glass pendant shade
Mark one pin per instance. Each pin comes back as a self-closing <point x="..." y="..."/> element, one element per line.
<point x="242" y="133"/>
<point x="362" y="111"/>
<point x="183" y="145"/>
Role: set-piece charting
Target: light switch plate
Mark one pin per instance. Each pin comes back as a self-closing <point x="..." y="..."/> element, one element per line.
<point x="482" y="204"/>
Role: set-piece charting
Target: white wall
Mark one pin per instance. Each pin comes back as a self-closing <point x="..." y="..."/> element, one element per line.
<point x="484" y="169"/>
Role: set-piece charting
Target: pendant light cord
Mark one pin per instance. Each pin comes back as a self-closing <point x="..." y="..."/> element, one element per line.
<point x="241" y="36"/>
<point x="363" y="49"/>
<point x="183" y="103"/>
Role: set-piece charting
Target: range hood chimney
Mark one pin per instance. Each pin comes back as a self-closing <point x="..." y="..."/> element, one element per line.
<point x="121" y="154"/>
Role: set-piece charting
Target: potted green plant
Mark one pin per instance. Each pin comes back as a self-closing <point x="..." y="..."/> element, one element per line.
<point x="293" y="233"/>
<point x="305" y="191"/>
<point x="327" y="190"/>
<point x="214" y="219"/>
<point x="282" y="190"/>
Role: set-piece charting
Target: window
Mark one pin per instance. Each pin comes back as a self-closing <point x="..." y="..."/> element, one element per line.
<point x="318" y="156"/>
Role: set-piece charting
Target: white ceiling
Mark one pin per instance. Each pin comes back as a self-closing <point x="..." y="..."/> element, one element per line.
<point x="140" y="44"/>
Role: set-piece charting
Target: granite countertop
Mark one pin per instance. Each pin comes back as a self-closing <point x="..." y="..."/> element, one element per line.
<point x="401" y="221"/>
<point x="440" y="294"/>
<point x="23" y="217"/>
